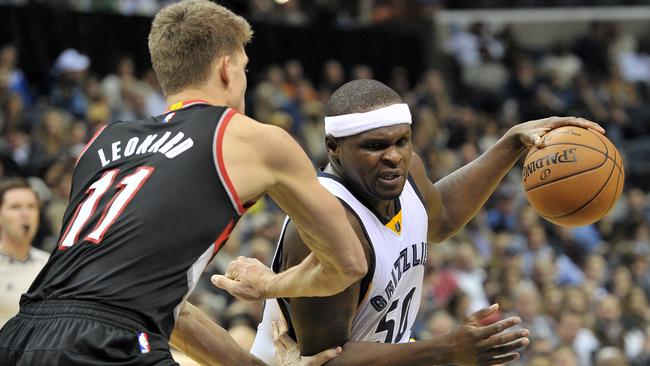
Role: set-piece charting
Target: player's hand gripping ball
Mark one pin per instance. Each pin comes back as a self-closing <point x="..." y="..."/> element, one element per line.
<point x="575" y="178"/>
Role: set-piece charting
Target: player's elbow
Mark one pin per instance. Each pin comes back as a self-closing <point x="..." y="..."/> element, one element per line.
<point x="356" y="269"/>
<point x="335" y="279"/>
<point x="352" y="271"/>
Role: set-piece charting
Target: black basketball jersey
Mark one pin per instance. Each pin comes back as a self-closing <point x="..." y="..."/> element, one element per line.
<point x="150" y="205"/>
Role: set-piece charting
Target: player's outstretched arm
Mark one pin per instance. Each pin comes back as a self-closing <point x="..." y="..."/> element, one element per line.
<point x="209" y="344"/>
<point x="455" y="199"/>
<point x="470" y="344"/>
<point x="265" y="159"/>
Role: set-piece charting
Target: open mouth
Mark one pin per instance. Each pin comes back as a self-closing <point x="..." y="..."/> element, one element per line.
<point x="25" y="229"/>
<point x="390" y="178"/>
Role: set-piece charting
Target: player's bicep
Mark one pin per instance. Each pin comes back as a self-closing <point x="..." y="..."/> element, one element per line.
<point x="296" y="187"/>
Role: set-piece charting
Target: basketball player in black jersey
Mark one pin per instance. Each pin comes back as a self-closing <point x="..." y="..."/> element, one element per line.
<point x="153" y="200"/>
<point x="372" y="156"/>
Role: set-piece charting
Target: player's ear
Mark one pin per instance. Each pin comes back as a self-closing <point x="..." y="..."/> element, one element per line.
<point x="223" y="63"/>
<point x="332" y="145"/>
<point x="333" y="148"/>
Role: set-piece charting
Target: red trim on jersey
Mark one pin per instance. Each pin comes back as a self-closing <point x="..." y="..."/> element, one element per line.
<point x="223" y="236"/>
<point x="92" y="139"/>
<point x="222" y="167"/>
<point x="184" y="103"/>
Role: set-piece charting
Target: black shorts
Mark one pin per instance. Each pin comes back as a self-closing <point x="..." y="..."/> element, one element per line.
<point x="66" y="332"/>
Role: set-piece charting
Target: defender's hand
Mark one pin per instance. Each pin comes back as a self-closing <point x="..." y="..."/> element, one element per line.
<point x="246" y="279"/>
<point x="530" y="133"/>
<point x="288" y="354"/>
<point x="476" y="344"/>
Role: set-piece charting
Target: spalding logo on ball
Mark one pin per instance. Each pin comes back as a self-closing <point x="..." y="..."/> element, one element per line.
<point x="575" y="179"/>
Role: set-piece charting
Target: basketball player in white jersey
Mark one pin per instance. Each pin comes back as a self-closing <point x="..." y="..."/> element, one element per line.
<point x="395" y="210"/>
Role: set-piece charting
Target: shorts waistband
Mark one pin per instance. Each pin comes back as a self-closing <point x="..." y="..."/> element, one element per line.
<point x="79" y="308"/>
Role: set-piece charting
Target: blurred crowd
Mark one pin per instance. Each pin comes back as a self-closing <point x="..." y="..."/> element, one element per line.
<point x="335" y="12"/>
<point x="582" y="292"/>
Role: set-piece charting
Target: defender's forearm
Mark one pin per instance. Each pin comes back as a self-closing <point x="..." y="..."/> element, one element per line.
<point x="310" y="278"/>
<point x="206" y="342"/>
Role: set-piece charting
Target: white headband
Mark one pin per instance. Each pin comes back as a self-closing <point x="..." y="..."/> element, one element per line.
<point x="354" y="123"/>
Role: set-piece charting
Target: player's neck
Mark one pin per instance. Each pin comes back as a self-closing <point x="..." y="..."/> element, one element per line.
<point x="13" y="248"/>
<point x="196" y="94"/>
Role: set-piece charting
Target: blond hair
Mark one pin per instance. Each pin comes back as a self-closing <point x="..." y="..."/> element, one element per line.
<point x="186" y="37"/>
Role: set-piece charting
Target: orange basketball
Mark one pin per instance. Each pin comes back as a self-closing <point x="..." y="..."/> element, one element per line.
<point x="575" y="179"/>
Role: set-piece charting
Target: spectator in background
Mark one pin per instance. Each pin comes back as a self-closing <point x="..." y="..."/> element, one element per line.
<point x="572" y="333"/>
<point x="485" y="81"/>
<point x="117" y="86"/>
<point x="19" y="261"/>
<point x="13" y="113"/>
<point x="439" y="324"/>
<point x="503" y="214"/>
<point x="527" y="305"/>
<point x="24" y="156"/>
<point x="52" y="134"/>
<point x="16" y="80"/>
<point x="612" y="331"/>
<point x="311" y="132"/>
<point x="154" y="99"/>
<point x="470" y="276"/>
<point x="611" y="356"/>
<point x="333" y="78"/>
<point x="69" y="72"/>
<point x="523" y="87"/>
<point x="592" y="48"/>
<point x="561" y="65"/>
<point x="565" y="356"/>
<point x="465" y="45"/>
<point x="621" y="282"/>
<point x="635" y="64"/>
<point x="537" y="248"/>
<point x="269" y="95"/>
<point x="595" y="270"/>
<point x="362" y="71"/>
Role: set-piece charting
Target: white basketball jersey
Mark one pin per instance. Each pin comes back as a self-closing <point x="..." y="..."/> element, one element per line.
<point x="389" y="307"/>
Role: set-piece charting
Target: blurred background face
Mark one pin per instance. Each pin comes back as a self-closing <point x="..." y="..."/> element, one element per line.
<point x="564" y="357"/>
<point x="536" y="237"/>
<point x="610" y="309"/>
<point x="568" y="327"/>
<point x="19" y="215"/>
<point x="527" y="303"/>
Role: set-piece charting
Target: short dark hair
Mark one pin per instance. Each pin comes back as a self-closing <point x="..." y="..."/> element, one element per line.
<point x="13" y="183"/>
<point x="358" y="96"/>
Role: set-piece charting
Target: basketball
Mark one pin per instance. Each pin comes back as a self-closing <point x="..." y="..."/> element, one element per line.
<point x="575" y="178"/>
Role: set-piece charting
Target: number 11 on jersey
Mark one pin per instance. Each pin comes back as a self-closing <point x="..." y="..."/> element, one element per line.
<point x="126" y="190"/>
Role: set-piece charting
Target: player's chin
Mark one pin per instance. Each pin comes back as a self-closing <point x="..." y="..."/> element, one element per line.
<point x="389" y="190"/>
